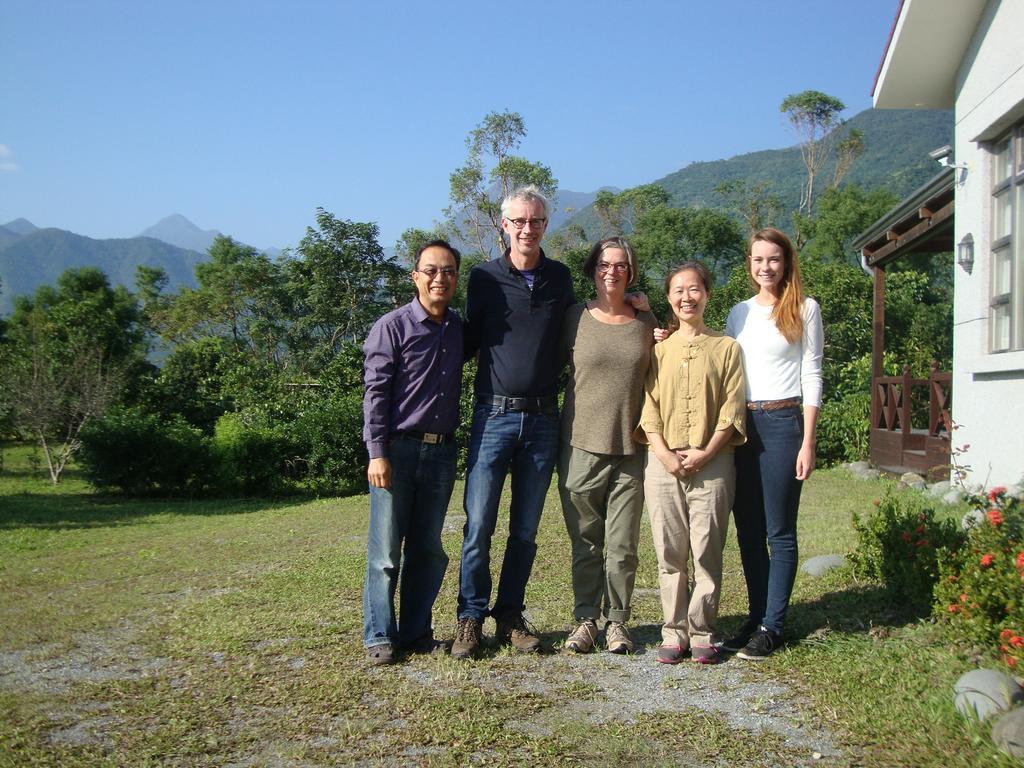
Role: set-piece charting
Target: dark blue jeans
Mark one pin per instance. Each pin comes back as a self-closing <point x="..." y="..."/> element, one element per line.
<point x="502" y="441"/>
<point x="412" y="511"/>
<point x="767" y="500"/>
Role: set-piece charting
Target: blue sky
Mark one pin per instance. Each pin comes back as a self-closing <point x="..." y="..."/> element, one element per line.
<point x="247" y="116"/>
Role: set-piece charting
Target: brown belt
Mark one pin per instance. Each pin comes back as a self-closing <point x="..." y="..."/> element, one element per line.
<point x="773" y="405"/>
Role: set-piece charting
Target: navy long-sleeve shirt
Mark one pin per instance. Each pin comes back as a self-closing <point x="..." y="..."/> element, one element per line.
<point x="412" y="375"/>
<point x="515" y="329"/>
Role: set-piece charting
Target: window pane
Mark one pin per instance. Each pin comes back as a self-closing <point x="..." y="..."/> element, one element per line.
<point x="1002" y="271"/>
<point x="1001" y="328"/>
<point x="1002" y="162"/>
<point x="1002" y="214"/>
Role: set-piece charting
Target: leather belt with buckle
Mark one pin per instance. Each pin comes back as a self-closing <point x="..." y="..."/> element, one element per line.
<point x="773" y="405"/>
<point x="522" y="404"/>
<point x="430" y="438"/>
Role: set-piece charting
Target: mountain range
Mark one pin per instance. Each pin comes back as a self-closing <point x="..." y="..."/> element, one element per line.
<point x="896" y="142"/>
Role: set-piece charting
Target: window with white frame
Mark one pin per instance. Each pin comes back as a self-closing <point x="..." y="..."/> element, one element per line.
<point x="1006" y="306"/>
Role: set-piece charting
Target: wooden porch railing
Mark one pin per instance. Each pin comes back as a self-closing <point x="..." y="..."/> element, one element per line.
<point x="895" y="408"/>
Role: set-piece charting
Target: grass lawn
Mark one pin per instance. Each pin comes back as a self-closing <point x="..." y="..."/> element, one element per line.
<point x="228" y="633"/>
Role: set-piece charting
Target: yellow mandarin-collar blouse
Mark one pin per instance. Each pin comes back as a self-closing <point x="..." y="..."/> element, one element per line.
<point x="694" y="387"/>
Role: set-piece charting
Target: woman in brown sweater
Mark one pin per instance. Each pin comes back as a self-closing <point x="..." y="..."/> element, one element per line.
<point x="601" y="470"/>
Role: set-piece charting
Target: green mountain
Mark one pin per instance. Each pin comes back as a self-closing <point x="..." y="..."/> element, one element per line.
<point x="38" y="258"/>
<point x="896" y="147"/>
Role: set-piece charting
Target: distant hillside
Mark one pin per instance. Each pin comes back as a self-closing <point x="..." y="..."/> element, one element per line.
<point x="40" y="257"/>
<point x="897" y="143"/>
<point x="177" y="230"/>
<point x="7" y="237"/>
<point x="21" y="227"/>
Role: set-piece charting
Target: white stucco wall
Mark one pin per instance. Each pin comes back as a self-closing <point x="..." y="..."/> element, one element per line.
<point x="988" y="389"/>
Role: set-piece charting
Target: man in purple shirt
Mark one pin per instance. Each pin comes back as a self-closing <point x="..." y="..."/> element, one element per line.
<point x="412" y="374"/>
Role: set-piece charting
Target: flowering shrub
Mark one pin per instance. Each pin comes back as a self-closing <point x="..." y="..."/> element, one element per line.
<point x="897" y="544"/>
<point x="981" y="586"/>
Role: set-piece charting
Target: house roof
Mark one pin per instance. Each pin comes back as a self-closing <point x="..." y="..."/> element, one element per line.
<point x="926" y="46"/>
<point x="921" y="223"/>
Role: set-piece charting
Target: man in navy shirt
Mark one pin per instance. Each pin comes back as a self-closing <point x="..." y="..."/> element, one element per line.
<point x="514" y="311"/>
<point x="412" y="374"/>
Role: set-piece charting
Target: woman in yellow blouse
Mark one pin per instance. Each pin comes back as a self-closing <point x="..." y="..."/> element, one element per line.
<point x="694" y="415"/>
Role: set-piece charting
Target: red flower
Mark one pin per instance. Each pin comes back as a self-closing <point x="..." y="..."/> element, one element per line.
<point x="953" y="608"/>
<point x="1017" y="641"/>
<point x="1010" y="661"/>
<point x="1005" y="634"/>
<point x="996" y="492"/>
<point x="919" y="530"/>
<point x="923" y="543"/>
<point x="987" y="560"/>
<point x="963" y="599"/>
<point x="1020" y="559"/>
<point x="995" y="516"/>
<point x="906" y="536"/>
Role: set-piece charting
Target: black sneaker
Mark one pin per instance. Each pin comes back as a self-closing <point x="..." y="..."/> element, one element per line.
<point x="761" y="645"/>
<point x="738" y="641"/>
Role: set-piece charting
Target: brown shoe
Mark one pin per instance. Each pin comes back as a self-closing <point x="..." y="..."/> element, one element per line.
<point x="467" y="638"/>
<point x="381" y="655"/>
<point x="512" y="629"/>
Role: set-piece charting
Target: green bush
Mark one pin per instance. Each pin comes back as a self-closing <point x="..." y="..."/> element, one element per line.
<point x="898" y="544"/>
<point x="844" y="429"/>
<point x="136" y="452"/>
<point x="980" y="591"/>
<point x="254" y="455"/>
<point x="328" y="436"/>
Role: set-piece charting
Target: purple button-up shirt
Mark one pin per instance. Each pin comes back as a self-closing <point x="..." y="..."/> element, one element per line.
<point x="413" y="375"/>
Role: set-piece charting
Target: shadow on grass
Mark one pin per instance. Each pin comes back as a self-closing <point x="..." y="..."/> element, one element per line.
<point x="79" y="510"/>
<point x="854" y="610"/>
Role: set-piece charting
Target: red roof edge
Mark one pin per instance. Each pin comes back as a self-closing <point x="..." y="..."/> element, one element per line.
<point x="888" y="43"/>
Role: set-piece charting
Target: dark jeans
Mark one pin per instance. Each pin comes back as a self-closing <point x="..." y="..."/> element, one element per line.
<point x="502" y="441"/>
<point x="412" y="511"/>
<point x="767" y="499"/>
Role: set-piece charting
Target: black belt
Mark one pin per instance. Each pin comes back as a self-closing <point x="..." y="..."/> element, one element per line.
<point x="524" y="404"/>
<point x="430" y="438"/>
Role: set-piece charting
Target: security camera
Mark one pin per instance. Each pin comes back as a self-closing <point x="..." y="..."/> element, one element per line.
<point x="943" y="155"/>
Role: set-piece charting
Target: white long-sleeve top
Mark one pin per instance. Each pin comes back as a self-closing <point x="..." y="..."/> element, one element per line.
<point x="776" y="369"/>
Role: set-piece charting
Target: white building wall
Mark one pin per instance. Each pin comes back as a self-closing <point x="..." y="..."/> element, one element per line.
<point x="988" y="389"/>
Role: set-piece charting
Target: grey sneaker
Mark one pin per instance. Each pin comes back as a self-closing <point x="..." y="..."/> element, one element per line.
<point x="467" y="638"/>
<point x="513" y="630"/>
<point x="616" y="638"/>
<point x="583" y="638"/>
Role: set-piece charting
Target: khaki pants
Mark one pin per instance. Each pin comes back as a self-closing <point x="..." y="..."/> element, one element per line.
<point x="602" y="502"/>
<point x="690" y="515"/>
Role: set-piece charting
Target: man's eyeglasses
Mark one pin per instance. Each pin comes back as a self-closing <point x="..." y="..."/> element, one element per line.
<point x="604" y="266"/>
<point x="520" y="223"/>
<point x="432" y="272"/>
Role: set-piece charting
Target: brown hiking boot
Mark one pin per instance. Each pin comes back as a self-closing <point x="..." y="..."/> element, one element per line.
<point x="512" y="629"/>
<point x="467" y="638"/>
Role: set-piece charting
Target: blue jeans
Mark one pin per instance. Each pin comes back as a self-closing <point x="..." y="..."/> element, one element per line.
<point x="767" y="500"/>
<point x="502" y="441"/>
<point x="412" y="510"/>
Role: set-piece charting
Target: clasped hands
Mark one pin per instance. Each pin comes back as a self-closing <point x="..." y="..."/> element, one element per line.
<point x="683" y="462"/>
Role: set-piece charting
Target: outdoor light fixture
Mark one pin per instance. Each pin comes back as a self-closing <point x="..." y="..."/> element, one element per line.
<point x="965" y="252"/>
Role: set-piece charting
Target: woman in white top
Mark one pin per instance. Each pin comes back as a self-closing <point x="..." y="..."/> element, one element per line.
<point x="779" y="331"/>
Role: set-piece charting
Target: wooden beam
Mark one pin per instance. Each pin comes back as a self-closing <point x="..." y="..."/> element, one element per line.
<point x="924" y="213"/>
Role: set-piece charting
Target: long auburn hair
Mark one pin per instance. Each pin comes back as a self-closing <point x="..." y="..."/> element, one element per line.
<point x="787" y="310"/>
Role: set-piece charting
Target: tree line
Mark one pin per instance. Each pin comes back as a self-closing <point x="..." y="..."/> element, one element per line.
<point x="251" y="382"/>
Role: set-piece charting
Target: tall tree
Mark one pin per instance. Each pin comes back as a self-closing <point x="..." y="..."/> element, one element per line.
<point x="339" y="281"/>
<point x="814" y="116"/>
<point x="69" y="352"/>
<point x="754" y="203"/>
<point x="490" y="172"/>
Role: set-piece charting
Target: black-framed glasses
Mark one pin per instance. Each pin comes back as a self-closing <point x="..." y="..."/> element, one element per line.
<point x="520" y="223"/>
<point x="432" y="272"/>
<point x="604" y="266"/>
